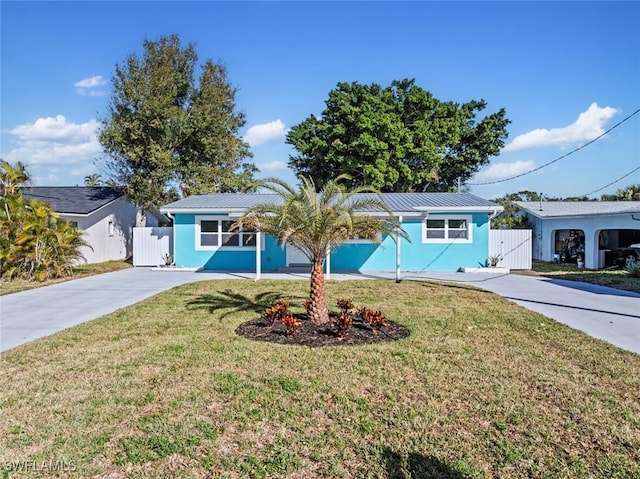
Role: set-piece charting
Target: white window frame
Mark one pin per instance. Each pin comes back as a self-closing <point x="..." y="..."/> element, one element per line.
<point x="447" y="239"/>
<point x="220" y="218"/>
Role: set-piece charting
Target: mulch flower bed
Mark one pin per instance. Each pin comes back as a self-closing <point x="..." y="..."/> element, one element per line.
<point x="316" y="335"/>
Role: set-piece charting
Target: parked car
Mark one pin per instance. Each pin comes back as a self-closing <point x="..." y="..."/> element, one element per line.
<point x="628" y="255"/>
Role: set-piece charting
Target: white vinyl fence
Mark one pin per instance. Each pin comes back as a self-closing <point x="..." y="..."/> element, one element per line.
<point x="150" y="245"/>
<point x="513" y="246"/>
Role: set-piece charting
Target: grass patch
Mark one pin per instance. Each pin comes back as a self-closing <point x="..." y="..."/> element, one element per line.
<point x="614" y="278"/>
<point x="481" y="388"/>
<point x="17" y="285"/>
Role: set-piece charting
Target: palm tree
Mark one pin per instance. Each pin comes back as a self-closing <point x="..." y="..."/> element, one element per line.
<point x="318" y="222"/>
<point x="12" y="177"/>
<point x="630" y="193"/>
<point x="93" y="180"/>
<point x="34" y="241"/>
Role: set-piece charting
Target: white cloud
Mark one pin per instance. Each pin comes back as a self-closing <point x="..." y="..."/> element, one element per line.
<point x="90" y="86"/>
<point x="55" y="141"/>
<point x="588" y="126"/>
<point x="273" y="166"/>
<point x="265" y="133"/>
<point x="505" y="170"/>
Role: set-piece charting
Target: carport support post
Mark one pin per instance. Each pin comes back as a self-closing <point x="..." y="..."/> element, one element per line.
<point x="328" y="263"/>
<point x="398" y="240"/>
<point x="258" y="254"/>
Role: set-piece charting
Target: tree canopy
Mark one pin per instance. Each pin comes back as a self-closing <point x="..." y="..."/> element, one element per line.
<point x="164" y="131"/>
<point x="396" y="139"/>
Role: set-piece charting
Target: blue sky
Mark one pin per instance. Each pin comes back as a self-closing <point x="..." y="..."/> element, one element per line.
<point x="564" y="72"/>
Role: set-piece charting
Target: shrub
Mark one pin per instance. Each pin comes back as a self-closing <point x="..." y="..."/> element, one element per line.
<point x="345" y="305"/>
<point x="633" y="269"/>
<point x="343" y="323"/>
<point x="291" y="324"/>
<point x="277" y="312"/>
<point x="375" y="319"/>
<point x="35" y="243"/>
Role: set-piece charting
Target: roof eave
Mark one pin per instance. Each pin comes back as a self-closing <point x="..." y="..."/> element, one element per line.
<point x="577" y="215"/>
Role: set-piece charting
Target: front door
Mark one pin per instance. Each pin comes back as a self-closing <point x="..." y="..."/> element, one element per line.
<point x="295" y="257"/>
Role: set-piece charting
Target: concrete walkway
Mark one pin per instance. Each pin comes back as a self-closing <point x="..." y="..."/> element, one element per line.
<point x="605" y="313"/>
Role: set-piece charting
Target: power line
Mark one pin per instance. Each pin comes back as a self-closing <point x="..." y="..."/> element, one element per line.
<point x="559" y="158"/>
<point x="614" y="182"/>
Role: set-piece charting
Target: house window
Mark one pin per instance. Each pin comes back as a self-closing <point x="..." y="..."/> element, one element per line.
<point x="216" y="232"/>
<point x="111" y="228"/>
<point x="447" y="229"/>
<point x="73" y="224"/>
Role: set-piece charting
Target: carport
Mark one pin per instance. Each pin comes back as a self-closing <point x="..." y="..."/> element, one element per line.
<point x="603" y="227"/>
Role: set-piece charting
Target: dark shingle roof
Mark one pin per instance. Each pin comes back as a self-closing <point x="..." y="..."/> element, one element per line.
<point x="396" y="202"/>
<point x="80" y="200"/>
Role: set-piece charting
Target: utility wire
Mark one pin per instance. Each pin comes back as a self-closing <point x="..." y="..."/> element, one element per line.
<point x="560" y="157"/>
<point x="614" y="182"/>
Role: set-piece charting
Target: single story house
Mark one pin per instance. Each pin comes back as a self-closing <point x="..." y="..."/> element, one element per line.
<point x="103" y="214"/>
<point x="593" y="229"/>
<point x="447" y="231"/>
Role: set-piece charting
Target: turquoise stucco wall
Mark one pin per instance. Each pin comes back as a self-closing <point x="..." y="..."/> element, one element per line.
<point x="272" y="258"/>
<point x="415" y="255"/>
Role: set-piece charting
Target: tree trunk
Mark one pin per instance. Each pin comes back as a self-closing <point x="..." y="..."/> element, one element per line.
<point x="141" y="217"/>
<point x="318" y="312"/>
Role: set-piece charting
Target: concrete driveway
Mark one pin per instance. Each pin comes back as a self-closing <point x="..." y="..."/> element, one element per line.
<point x="605" y="313"/>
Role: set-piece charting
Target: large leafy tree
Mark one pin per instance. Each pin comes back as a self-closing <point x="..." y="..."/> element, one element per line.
<point x="164" y="131"/>
<point x="318" y="222"/>
<point x="399" y="138"/>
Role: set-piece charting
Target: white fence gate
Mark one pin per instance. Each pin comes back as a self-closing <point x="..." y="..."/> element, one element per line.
<point x="513" y="246"/>
<point x="150" y="245"/>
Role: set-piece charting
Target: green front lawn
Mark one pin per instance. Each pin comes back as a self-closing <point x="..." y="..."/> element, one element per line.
<point x="614" y="278"/>
<point x="16" y="285"/>
<point x="482" y="388"/>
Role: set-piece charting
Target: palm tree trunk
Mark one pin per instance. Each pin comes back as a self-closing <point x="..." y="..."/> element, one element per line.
<point x="318" y="312"/>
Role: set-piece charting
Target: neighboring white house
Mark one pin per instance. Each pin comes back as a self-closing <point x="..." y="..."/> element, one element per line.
<point x="601" y="227"/>
<point x="103" y="214"/>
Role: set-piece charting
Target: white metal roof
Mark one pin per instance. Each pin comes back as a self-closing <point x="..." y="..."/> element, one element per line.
<point x="399" y="203"/>
<point x="556" y="209"/>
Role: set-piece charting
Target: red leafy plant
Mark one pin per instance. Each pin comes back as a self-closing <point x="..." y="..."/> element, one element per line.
<point x="291" y="324"/>
<point x="344" y="320"/>
<point x="345" y="304"/>
<point x="277" y="312"/>
<point x="375" y="319"/>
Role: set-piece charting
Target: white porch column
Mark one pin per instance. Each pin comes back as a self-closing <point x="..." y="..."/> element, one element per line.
<point x="591" y="250"/>
<point x="328" y="263"/>
<point x="258" y="255"/>
<point x="398" y="241"/>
